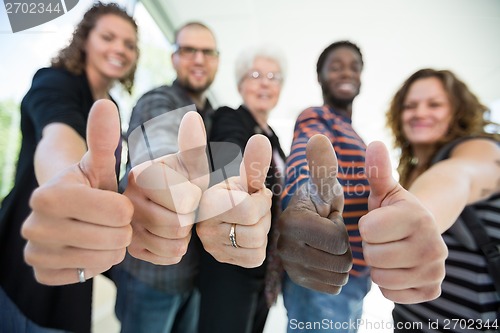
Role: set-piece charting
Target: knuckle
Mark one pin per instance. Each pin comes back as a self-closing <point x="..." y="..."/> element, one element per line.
<point x="169" y="261"/>
<point x="430" y="293"/>
<point x="258" y="259"/>
<point x="213" y="250"/>
<point x="434" y="251"/>
<point x="30" y="257"/>
<point x="188" y="203"/>
<point x="437" y="274"/>
<point x="29" y="229"/>
<point x="123" y="237"/>
<point x="36" y="199"/>
<point x="180" y="249"/>
<point x="42" y="278"/>
<point x="42" y="198"/>
<point x="377" y="277"/>
<point x="183" y="232"/>
<point x="368" y="256"/>
<point x="255" y="239"/>
<point x="125" y="212"/>
<point x="117" y="257"/>
<point x="135" y="251"/>
<point x="425" y="222"/>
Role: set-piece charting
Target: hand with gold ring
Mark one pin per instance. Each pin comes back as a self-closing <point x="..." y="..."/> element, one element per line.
<point x="235" y="215"/>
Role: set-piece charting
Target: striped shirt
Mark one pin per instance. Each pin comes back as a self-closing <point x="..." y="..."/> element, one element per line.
<point x="350" y="150"/>
<point x="469" y="301"/>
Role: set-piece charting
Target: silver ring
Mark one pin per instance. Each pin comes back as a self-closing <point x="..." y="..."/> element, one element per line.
<point x="81" y="274"/>
<point x="232" y="236"/>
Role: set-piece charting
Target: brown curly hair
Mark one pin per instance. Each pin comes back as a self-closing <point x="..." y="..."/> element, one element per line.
<point x="468" y="116"/>
<point x="73" y="56"/>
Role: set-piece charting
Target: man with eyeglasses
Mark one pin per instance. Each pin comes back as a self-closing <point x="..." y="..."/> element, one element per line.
<point x="158" y="298"/>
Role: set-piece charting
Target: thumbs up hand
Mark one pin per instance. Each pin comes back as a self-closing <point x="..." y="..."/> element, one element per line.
<point x="235" y="214"/>
<point x="401" y="241"/>
<point x="313" y="243"/>
<point x="78" y="220"/>
<point x="166" y="193"/>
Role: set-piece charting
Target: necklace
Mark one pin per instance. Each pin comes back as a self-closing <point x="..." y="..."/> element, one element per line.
<point x="413" y="161"/>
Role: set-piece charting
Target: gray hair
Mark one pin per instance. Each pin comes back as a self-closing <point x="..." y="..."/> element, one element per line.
<point x="246" y="58"/>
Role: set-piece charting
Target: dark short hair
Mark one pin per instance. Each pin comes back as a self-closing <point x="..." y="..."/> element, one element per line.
<point x="332" y="47"/>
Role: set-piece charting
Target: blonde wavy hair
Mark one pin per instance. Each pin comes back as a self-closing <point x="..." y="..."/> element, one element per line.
<point x="73" y="57"/>
<point x="468" y="116"/>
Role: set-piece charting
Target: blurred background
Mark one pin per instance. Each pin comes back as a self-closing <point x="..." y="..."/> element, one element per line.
<point x="396" y="38"/>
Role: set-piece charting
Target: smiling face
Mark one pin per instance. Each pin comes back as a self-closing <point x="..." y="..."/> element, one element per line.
<point x="340" y="77"/>
<point x="426" y="113"/>
<point x="261" y="87"/>
<point x="111" y="48"/>
<point x="195" y="71"/>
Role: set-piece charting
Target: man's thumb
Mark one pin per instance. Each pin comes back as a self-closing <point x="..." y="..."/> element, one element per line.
<point x="103" y="137"/>
<point x="256" y="162"/>
<point x="324" y="188"/>
<point x="379" y="173"/>
<point x="192" y="140"/>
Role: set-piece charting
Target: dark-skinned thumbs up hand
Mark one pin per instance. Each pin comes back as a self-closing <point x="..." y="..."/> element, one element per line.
<point x="313" y="243"/>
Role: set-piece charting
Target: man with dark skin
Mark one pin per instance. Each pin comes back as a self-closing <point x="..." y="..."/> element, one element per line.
<point x="318" y="250"/>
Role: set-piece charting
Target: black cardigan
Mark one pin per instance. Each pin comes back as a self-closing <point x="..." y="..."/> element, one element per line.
<point x="237" y="126"/>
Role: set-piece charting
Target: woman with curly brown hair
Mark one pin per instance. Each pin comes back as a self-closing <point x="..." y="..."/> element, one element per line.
<point x="54" y="116"/>
<point x="453" y="166"/>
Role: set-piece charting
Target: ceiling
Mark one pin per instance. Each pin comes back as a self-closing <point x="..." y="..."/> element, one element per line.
<point x="396" y="37"/>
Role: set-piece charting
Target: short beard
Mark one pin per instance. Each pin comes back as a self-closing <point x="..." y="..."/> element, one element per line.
<point x="195" y="90"/>
<point x="330" y="99"/>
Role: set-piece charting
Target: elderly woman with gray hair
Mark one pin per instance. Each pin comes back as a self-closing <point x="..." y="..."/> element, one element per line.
<point x="233" y="298"/>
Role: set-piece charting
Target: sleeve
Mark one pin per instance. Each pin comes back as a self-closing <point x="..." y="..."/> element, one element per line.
<point x="309" y="123"/>
<point x="227" y="142"/>
<point x="154" y="126"/>
<point x="55" y="97"/>
<point x="227" y="126"/>
<point x="153" y="104"/>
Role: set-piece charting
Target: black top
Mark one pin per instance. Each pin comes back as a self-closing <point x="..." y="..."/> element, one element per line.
<point x="232" y="297"/>
<point x="237" y="126"/>
<point x="55" y="96"/>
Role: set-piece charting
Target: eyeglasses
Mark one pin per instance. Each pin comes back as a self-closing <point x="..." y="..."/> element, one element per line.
<point x="272" y="77"/>
<point x="190" y="52"/>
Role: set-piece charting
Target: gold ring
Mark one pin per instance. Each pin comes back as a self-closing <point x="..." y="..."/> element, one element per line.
<point x="232" y="236"/>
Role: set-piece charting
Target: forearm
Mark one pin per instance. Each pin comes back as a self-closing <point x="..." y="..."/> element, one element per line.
<point x="444" y="193"/>
<point x="470" y="175"/>
<point x="59" y="148"/>
<point x="297" y="170"/>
